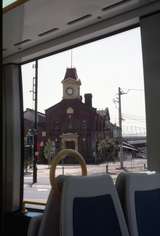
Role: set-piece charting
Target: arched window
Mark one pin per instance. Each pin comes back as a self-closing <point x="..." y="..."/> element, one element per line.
<point x="70" y="110"/>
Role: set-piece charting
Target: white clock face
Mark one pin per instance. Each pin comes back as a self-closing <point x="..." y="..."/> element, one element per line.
<point x="69" y="91"/>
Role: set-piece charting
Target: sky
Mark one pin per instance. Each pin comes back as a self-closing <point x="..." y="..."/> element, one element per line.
<point x="8" y="2"/>
<point x="102" y="67"/>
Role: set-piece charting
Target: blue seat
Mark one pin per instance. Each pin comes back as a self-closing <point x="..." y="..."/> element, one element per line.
<point x="140" y="198"/>
<point x="90" y="206"/>
<point x="80" y="205"/>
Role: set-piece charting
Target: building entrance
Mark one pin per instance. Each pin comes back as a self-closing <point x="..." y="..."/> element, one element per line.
<point x="70" y="145"/>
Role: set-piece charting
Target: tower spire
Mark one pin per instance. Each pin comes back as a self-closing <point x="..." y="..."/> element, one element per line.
<point x="71" y="57"/>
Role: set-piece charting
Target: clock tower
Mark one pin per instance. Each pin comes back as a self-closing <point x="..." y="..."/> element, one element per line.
<point x="71" y="84"/>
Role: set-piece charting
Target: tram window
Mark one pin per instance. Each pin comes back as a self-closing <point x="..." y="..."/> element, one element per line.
<point x="7" y="3"/>
<point x="84" y="96"/>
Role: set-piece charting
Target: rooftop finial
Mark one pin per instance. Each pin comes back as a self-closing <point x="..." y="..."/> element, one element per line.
<point x="71" y="57"/>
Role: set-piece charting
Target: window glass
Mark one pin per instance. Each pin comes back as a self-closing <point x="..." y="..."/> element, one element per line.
<point x="90" y="99"/>
<point x="8" y="2"/>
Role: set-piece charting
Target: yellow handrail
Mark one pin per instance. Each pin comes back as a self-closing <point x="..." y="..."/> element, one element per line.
<point x="60" y="156"/>
<point x="53" y="180"/>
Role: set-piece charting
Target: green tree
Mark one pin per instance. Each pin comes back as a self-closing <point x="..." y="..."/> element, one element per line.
<point x="108" y="149"/>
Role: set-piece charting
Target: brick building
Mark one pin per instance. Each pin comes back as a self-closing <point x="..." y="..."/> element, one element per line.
<point x="74" y="124"/>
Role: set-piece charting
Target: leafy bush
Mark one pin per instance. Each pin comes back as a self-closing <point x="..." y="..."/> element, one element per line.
<point x="108" y="149"/>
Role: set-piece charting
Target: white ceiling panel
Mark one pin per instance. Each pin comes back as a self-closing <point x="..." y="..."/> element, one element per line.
<point x="39" y="21"/>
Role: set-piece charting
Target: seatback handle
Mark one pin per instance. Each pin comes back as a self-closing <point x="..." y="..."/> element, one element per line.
<point x="60" y="156"/>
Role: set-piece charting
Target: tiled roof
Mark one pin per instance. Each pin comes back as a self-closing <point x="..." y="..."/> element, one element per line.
<point x="71" y="73"/>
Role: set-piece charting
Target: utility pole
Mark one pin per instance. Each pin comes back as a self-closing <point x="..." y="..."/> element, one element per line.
<point x="120" y="128"/>
<point x="35" y="91"/>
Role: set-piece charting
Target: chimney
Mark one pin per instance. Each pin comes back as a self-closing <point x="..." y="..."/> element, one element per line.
<point x="88" y="99"/>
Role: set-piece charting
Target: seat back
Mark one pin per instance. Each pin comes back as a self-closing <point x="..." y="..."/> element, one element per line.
<point x="81" y="205"/>
<point x="50" y="221"/>
<point x="90" y="206"/>
<point x="140" y="197"/>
